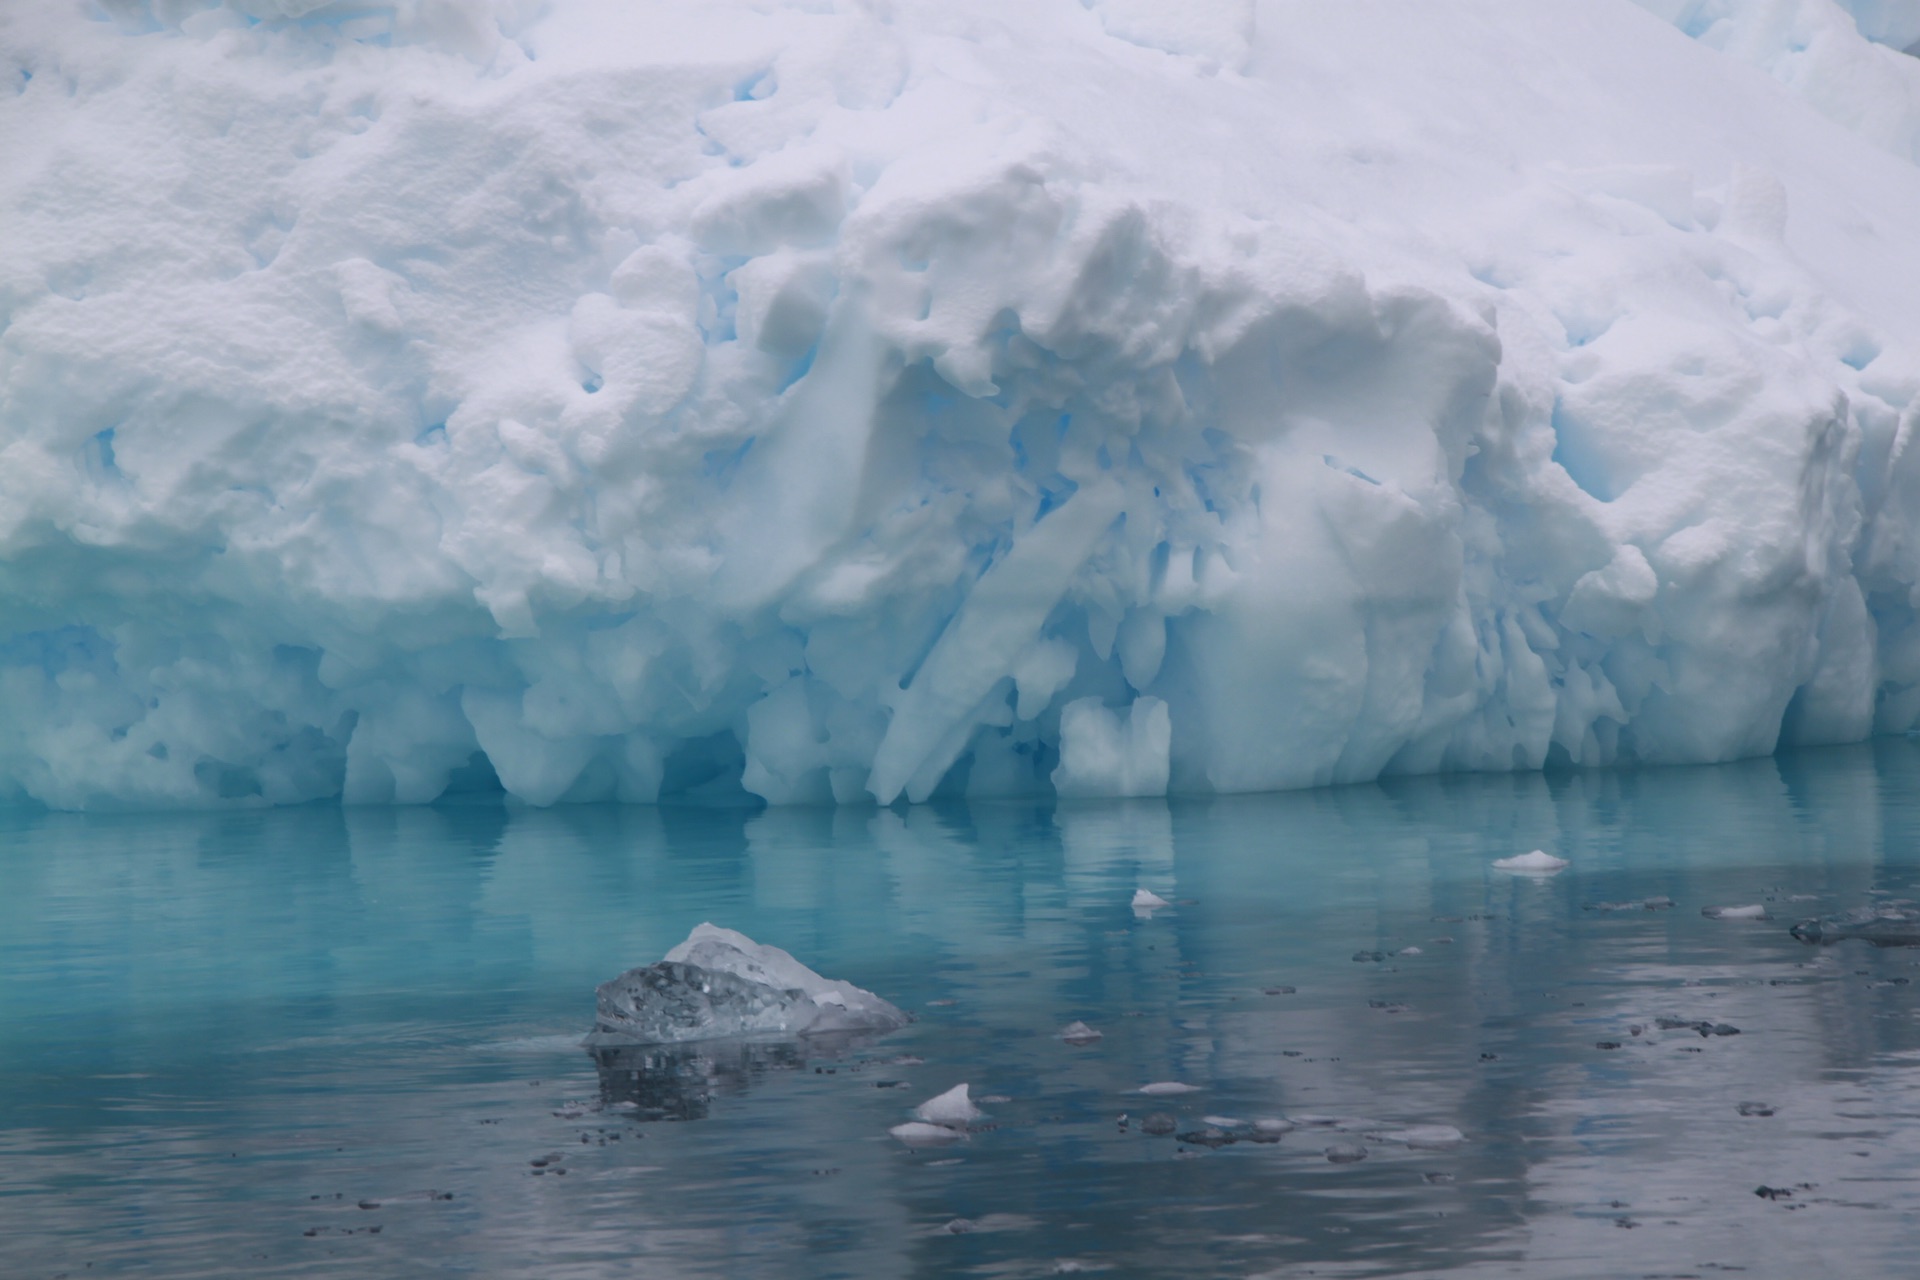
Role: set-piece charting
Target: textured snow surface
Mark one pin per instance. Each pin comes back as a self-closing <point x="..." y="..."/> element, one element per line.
<point x="605" y="399"/>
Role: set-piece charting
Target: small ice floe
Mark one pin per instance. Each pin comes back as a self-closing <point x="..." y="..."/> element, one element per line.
<point x="1751" y="911"/>
<point x="1274" y="1125"/>
<point x="1159" y="1123"/>
<point x="1223" y="1122"/>
<point x="1210" y="1137"/>
<point x="1424" y="1137"/>
<point x="1537" y="863"/>
<point x="1345" y="1153"/>
<point x="916" y="1134"/>
<point x="1409" y="951"/>
<point x="1755" y="1109"/>
<point x="1165" y="1088"/>
<point x="952" y="1108"/>
<point x="1079" y="1033"/>
<point x="1882" y="926"/>
<point x="1146" y="902"/>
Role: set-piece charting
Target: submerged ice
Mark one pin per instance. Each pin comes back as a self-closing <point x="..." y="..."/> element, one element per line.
<point x="844" y="403"/>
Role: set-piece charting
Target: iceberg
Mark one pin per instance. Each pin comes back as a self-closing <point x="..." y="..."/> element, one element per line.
<point x="810" y="403"/>
<point x="720" y="984"/>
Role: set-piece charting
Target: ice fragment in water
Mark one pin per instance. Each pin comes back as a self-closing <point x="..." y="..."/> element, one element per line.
<point x="1346" y="1153"/>
<point x="1079" y="1033"/>
<point x="917" y="1134"/>
<point x="1158" y="1123"/>
<point x="1146" y="902"/>
<point x="1430" y="1137"/>
<point x="1539" y="862"/>
<point x="953" y="1107"/>
<point x="1162" y="1088"/>
<point x="720" y="983"/>
<point x="1273" y="1125"/>
<point x="1881" y="926"/>
<point x="1751" y="911"/>
<point x="1208" y="1137"/>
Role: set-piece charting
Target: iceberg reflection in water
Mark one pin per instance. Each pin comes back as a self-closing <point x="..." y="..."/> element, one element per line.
<point x="683" y="1081"/>
<point x="233" y="1045"/>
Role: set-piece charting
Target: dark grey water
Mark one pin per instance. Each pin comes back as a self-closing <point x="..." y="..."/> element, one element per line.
<point x="222" y="1035"/>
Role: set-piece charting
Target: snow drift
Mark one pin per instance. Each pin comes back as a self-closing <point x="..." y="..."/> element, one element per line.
<point x="857" y="401"/>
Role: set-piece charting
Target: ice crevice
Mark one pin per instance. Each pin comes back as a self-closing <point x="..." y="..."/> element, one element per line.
<point x="826" y="404"/>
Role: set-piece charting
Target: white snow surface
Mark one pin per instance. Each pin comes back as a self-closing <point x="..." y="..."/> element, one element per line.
<point x="839" y="401"/>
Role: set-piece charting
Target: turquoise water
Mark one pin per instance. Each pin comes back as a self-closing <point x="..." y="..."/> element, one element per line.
<point x="235" y="1045"/>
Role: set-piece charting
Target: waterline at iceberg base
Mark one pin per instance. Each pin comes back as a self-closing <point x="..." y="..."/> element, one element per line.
<point x="616" y="401"/>
<point x="328" y="1042"/>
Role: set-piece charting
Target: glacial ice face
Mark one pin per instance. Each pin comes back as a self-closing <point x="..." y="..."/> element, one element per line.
<point x="719" y="984"/>
<point x="835" y="403"/>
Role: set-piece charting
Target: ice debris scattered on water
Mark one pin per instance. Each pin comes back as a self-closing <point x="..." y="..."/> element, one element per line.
<point x="1539" y="862"/>
<point x="1165" y="1088"/>
<point x="721" y="983"/>
<point x="1750" y="911"/>
<point x="1885" y="926"/>
<point x="1079" y="1033"/>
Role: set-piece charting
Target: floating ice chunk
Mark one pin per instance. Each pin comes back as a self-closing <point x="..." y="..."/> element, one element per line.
<point x="1165" y="1088"/>
<point x="1432" y="1137"/>
<point x="917" y="1134"/>
<point x="721" y="983"/>
<point x="1345" y="1153"/>
<point x="1159" y="1123"/>
<point x="1146" y="901"/>
<point x="1751" y="911"/>
<point x="1409" y="951"/>
<point x="1209" y="1137"/>
<point x="1274" y="1125"/>
<point x="953" y="1107"/>
<point x="1539" y="863"/>
<point x="1881" y="926"/>
<point x="1079" y="1033"/>
<point x="1223" y="1122"/>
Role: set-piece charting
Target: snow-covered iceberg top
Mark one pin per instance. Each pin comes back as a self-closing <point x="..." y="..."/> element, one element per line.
<point x="720" y="983"/>
<point x="618" y="399"/>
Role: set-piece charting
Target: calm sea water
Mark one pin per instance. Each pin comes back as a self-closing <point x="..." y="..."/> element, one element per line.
<point x="333" y="1043"/>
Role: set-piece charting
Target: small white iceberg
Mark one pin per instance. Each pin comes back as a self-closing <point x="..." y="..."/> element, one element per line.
<point x="1751" y="911"/>
<point x="1537" y="863"/>
<point x="1146" y="902"/>
<point x="952" y="1108"/>
<point x="1165" y="1088"/>
<point x="1079" y="1033"/>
